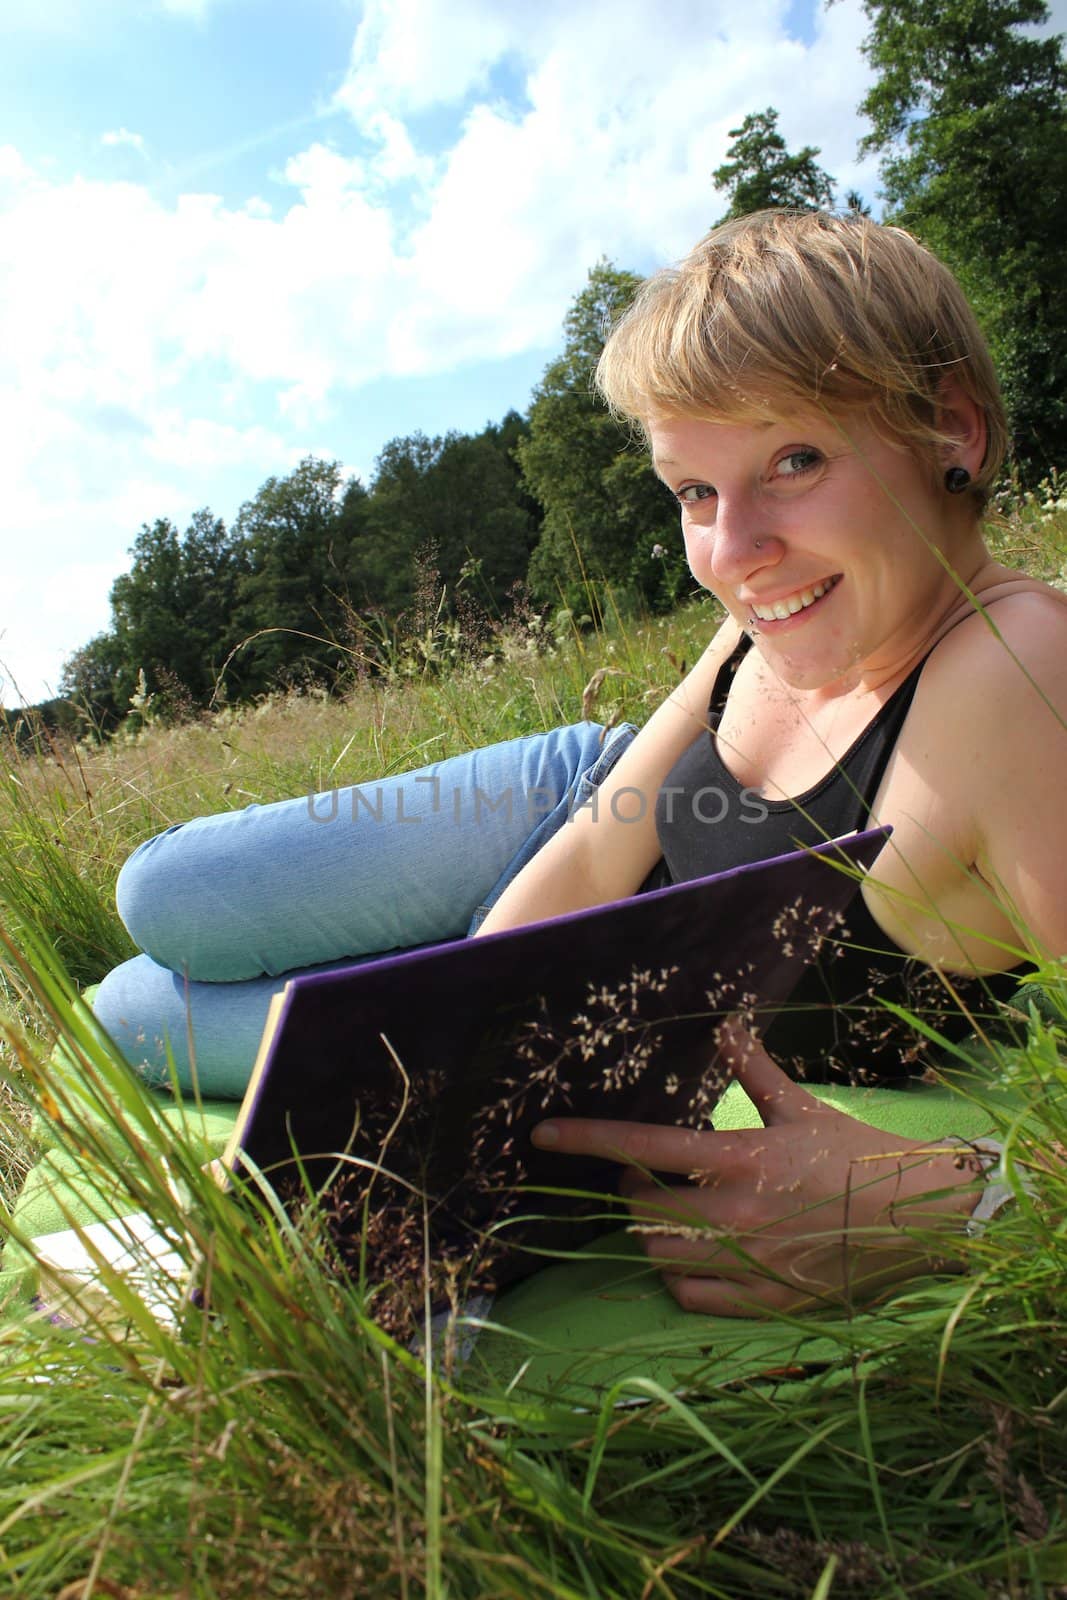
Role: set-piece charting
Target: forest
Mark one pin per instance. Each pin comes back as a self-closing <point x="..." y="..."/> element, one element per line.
<point x="319" y="578"/>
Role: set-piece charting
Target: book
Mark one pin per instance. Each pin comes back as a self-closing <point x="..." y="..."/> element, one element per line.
<point x="80" y="1268"/>
<point x="405" y="1088"/>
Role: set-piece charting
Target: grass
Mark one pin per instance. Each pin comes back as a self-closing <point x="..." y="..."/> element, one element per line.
<point x="279" y="1443"/>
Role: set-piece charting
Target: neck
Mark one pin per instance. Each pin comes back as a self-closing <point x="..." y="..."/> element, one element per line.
<point x="964" y="576"/>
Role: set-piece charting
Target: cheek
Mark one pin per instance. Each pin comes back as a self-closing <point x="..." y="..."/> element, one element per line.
<point x="698" y="552"/>
<point x="699" y="543"/>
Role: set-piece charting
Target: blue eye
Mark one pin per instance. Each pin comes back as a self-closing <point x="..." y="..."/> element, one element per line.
<point x="798" y="461"/>
<point x="695" y="492"/>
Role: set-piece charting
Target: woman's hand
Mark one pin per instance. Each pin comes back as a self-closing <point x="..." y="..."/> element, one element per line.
<point x="805" y="1210"/>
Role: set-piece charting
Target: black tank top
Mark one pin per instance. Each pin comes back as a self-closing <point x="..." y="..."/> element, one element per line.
<point x="835" y="1027"/>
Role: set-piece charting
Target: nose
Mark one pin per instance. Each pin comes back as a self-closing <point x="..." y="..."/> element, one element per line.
<point x="741" y="543"/>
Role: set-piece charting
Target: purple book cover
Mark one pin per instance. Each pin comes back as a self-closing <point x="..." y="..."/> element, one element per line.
<point x="609" y="1012"/>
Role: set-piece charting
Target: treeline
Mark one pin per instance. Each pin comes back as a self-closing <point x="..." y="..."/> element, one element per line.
<point x="312" y="577"/>
<point x="318" y="575"/>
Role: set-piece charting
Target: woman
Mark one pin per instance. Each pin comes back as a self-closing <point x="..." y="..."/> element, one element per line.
<point x="817" y="396"/>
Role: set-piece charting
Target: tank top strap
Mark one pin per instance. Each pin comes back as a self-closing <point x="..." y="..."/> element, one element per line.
<point x="868" y="759"/>
<point x="863" y="766"/>
<point x="724" y="678"/>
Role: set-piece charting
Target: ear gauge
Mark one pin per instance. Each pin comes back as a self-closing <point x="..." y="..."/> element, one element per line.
<point x="957" y="479"/>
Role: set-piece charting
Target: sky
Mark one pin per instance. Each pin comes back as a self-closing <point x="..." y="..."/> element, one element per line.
<point x="237" y="232"/>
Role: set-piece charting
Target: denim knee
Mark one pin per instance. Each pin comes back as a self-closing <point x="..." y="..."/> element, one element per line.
<point x="290" y="884"/>
<point x="141" y="890"/>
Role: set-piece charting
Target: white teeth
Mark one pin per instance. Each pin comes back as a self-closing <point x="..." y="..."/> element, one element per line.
<point x="796" y="602"/>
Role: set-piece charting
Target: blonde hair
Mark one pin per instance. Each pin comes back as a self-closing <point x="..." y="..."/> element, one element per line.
<point x="785" y="308"/>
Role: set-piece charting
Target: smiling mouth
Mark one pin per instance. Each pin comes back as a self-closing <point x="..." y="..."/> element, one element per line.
<point x="782" y="610"/>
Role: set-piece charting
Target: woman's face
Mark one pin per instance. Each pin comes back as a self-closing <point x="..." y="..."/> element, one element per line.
<point x="821" y="537"/>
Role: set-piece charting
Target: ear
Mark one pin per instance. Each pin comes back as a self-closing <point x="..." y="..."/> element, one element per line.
<point x="962" y="420"/>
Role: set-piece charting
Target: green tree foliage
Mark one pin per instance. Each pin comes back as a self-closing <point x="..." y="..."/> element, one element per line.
<point x="760" y="174"/>
<point x="214" y="563"/>
<point x="970" y="115"/>
<point x="91" y="679"/>
<point x="449" y="502"/>
<point x="172" y="622"/>
<point x="293" y="592"/>
<point x="33" y="728"/>
<point x="147" y="608"/>
<point x="604" y="509"/>
<point x="279" y="597"/>
<point x="173" y="611"/>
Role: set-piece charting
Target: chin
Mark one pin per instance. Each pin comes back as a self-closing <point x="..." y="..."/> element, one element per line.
<point x="799" y="671"/>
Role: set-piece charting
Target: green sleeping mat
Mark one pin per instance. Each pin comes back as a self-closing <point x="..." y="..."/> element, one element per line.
<point x="600" y="1318"/>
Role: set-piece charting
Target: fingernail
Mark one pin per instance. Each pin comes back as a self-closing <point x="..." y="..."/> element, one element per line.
<point x="545" y="1134"/>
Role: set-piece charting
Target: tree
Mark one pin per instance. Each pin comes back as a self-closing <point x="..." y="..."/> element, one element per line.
<point x="604" y="509"/>
<point x="970" y="116"/>
<point x="93" y="678"/>
<point x="453" y="501"/>
<point x="295" y="535"/>
<point x="173" y="612"/>
<point x="171" y="623"/>
<point x="147" y="610"/>
<point x="759" y="173"/>
<point x="213" y="561"/>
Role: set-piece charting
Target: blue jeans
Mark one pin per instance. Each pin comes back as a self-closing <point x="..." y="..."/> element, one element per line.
<point x="227" y="907"/>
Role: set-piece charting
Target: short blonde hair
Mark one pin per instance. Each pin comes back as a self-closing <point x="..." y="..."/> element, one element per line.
<point x="782" y="308"/>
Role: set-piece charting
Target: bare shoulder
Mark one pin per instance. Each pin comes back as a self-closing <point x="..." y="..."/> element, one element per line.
<point x="991" y="707"/>
<point x="1009" y="653"/>
<point x="997" y="717"/>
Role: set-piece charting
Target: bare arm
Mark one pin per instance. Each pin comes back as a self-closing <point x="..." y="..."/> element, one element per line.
<point x="1018" y="807"/>
<point x="607" y="850"/>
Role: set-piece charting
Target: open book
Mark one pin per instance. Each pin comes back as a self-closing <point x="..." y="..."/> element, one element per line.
<point x="84" y="1271"/>
<point x="408" y="1086"/>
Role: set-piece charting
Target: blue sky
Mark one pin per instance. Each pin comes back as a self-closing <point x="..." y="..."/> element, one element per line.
<point x="233" y="232"/>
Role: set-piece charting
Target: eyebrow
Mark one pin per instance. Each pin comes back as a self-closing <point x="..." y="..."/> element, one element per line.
<point x="763" y="424"/>
<point x="669" y="461"/>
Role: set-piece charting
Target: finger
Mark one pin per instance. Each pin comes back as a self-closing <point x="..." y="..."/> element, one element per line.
<point x="774" y="1094"/>
<point x="666" y="1203"/>
<point x="698" y="1204"/>
<point x="722" y="1297"/>
<point x="699" y="1253"/>
<point x="646" y="1145"/>
<point x="672" y="1225"/>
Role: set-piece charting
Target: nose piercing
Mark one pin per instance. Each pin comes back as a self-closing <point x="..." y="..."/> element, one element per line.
<point x="759" y="544"/>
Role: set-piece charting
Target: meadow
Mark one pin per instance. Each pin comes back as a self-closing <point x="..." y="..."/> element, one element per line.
<point x="279" y="1442"/>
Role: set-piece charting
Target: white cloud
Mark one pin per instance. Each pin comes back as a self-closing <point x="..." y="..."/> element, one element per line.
<point x="412" y="54"/>
<point x="15" y="172"/>
<point x="110" y="297"/>
<point x="626" y="114"/>
<point x="147" y="347"/>
<point x="71" y="605"/>
<point x="201" y="444"/>
<point x="123" y="136"/>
